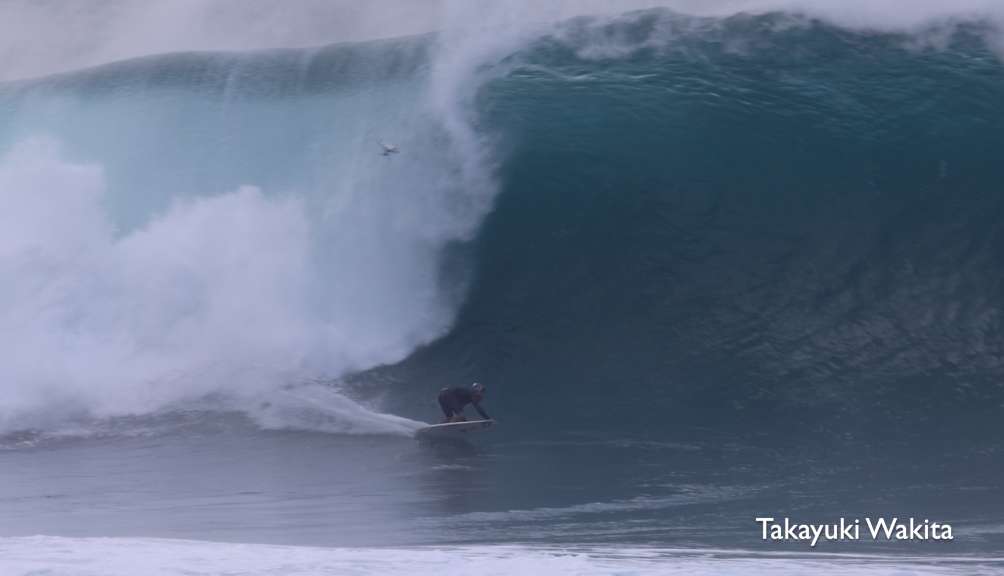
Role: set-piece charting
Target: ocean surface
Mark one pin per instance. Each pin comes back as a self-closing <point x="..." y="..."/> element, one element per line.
<point x="710" y="268"/>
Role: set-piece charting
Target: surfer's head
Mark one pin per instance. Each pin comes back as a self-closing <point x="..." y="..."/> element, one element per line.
<point x="478" y="390"/>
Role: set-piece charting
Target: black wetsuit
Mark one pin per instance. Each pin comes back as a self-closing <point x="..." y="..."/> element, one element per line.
<point x="453" y="400"/>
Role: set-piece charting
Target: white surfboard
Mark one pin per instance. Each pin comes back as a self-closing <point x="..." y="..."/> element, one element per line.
<point x="454" y="430"/>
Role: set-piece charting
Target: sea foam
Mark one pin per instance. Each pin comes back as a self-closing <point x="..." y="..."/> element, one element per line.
<point x="152" y="557"/>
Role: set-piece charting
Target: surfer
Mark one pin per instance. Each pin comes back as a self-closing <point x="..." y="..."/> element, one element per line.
<point x="387" y="148"/>
<point x="453" y="400"/>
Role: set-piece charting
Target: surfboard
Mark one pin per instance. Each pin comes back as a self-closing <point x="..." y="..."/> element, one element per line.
<point x="454" y="430"/>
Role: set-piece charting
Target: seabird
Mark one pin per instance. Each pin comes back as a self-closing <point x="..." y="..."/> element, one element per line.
<point x="387" y="148"/>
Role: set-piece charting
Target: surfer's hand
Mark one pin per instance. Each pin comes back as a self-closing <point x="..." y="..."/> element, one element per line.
<point x="494" y="421"/>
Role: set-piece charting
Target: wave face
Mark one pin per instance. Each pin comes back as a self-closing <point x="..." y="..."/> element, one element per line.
<point x="754" y="225"/>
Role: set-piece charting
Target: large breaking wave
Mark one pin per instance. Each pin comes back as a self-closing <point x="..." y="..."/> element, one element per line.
<point x="763" y="224"/>
<point x="761" y="215"/>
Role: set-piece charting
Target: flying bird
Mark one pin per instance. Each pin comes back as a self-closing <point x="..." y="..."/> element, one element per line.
<point x="387" y="148"/>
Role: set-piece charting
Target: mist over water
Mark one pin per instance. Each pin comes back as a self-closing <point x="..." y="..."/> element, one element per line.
<point x="713" y="262"/>
<point x="177" y="228"/>
<point x="42" y="38"/>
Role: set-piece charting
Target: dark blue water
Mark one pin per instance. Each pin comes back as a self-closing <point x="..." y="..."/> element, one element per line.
<point x="803" y="238"/>
<point x="786" y="257"/>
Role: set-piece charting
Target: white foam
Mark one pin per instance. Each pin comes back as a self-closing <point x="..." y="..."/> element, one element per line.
<point x="689" y="495"/>
<point x="213" y="297"/>
<point x="152" y="557"/>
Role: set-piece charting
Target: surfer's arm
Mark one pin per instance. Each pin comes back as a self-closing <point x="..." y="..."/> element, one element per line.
<point x="481" y="410"/>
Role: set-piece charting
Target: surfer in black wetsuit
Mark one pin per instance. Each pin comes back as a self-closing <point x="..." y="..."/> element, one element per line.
<point x="453" y="400"/>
